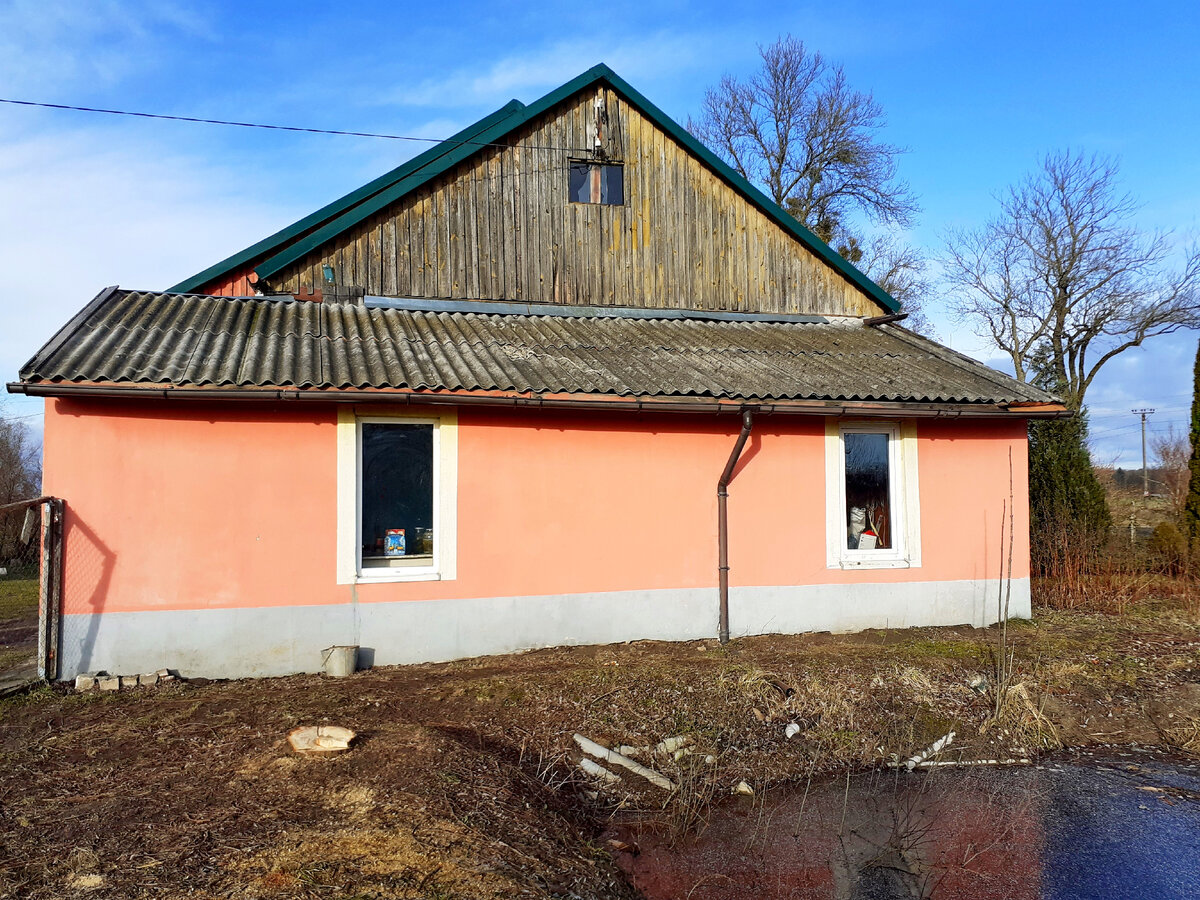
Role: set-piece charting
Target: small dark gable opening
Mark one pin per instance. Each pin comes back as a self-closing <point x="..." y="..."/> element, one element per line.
<point x="597" y="183"/>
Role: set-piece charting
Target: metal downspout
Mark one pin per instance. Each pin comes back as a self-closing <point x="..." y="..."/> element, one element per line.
<point x="723" y="522"/>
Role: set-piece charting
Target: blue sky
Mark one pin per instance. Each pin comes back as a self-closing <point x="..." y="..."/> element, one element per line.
<point x="976" y="92"/>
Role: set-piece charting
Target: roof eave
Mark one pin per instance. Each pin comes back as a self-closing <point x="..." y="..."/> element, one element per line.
<point x="72" y="325"/>
<point x="613" y="402"/>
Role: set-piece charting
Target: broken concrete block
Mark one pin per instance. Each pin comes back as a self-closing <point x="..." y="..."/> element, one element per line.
<point x="166" y="679"/>
<point x="148" y="680"/>
<point x="321" y="740"/>
<point x="129" y="681"/>
<point x="111" y="683"/>
<point x="163" y="673"/>
<point x="672" y="744"/>
<point x="85" y="681"/>
<point x="742" y="788"/>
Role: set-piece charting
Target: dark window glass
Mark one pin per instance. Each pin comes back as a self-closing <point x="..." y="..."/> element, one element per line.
<point x="397" y="490"/>
<point x="597" y="183"/>
<point x="868" y="502"/>
<point x="581" y="183"/>
<point x="612" y="188"/>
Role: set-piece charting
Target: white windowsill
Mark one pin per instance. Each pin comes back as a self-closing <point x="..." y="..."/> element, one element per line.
<point x="874" y="564"/>
<point x="387" y="576"/>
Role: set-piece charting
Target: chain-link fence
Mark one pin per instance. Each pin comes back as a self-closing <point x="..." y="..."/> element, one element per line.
<point x="29" y="543"/>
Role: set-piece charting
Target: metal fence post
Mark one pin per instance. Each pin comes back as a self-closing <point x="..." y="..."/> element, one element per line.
<point x="50" y="588"/>
<point x="54" y="620"/>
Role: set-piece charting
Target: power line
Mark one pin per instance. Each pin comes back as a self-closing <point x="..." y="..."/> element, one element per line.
<point x="199" y="121"/>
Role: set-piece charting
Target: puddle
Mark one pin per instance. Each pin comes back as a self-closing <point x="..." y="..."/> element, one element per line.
<point x="1116" y="825"/>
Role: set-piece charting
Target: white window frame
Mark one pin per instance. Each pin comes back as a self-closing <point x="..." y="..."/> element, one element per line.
<point x="903" y="496"/>
<point x="443" y="565"/>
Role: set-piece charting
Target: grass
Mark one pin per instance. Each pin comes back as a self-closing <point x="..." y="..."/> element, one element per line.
<point x="11" y="657"/>
<point x="18" y="598"/>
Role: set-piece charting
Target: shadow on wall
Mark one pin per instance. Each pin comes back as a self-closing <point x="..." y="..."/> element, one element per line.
<point x="87" y="571"/>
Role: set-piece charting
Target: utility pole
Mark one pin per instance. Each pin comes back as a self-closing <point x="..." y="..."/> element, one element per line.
<point x="1145" y="472"/>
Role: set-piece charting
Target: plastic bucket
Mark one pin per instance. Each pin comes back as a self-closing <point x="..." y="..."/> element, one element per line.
<point x="338" y="662"/>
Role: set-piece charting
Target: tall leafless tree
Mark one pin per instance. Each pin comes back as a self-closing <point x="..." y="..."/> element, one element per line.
<point x="1062" y="281"/>
<point x="20" y="461"/>
<point x="20" y="479"/>
<point x="797" y="129"/>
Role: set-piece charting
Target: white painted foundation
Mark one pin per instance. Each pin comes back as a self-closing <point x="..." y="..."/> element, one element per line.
<point x="256" y="642"/>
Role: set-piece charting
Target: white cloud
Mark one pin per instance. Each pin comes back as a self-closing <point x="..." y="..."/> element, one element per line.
<point x="520" y="74"/>
<point x="82" y="211"/>
<point x="46" y="45"/>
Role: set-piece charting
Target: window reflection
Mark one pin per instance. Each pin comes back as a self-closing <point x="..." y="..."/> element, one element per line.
<point x="597" y="183"/>
<point x="868" y="501"/>
<point x="397" y="492"/>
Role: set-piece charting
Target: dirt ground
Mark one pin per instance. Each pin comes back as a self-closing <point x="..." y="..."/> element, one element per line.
<point x="464" y="781"/>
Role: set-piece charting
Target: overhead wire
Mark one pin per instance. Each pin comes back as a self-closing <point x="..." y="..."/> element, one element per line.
<point x="196" y="120"/>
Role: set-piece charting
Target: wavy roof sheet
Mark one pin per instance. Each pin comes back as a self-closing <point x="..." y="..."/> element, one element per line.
<point x="134" y="337"/>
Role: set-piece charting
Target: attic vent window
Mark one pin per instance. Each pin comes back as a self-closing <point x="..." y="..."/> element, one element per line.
<point x="597" y="183"/>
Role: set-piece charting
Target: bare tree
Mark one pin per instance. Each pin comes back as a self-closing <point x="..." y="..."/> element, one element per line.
<point x="20" y="461"/>
<point x="1172" y="450"/>
<point x="1062" y="281"/>
<point x="897" y="268"/>
<point x="20" y="479"/>
<point x="799" y="130"/>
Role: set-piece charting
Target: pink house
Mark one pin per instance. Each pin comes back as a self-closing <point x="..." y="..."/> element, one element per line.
<point x="554" y="381"/>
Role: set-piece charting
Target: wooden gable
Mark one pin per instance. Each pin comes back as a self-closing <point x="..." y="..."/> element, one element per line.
<point x="499" y="225"/>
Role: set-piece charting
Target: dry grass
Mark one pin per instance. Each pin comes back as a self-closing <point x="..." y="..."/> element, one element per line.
<point x="393" y="862"/>
<point x="1022" y="721"/>
<point x="1185" y="735"/>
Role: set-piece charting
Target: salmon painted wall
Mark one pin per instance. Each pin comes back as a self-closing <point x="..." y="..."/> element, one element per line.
<point x="187" y="505"/>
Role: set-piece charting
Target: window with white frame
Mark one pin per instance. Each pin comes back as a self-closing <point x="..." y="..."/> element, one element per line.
<point x="396" y="480"/>
<point x="396" y="497"/>
<point x="872" y="502"/>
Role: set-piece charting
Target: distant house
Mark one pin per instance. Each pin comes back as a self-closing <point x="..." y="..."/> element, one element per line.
<point x="484" y="403"/>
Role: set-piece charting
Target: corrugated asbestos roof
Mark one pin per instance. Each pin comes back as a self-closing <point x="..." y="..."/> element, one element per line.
<point x="133" y="337"/>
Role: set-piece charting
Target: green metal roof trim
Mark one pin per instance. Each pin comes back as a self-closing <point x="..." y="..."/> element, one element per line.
<point x="297" y="229"/>
<point x="493" y="129"/>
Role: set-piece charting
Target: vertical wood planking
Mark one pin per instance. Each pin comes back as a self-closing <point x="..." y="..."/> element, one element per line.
<point x="387" y="255"/>
<point x="536" y="178"/>
<point x="403" y="221"/>
<point x="663" y="236"/>
<point x="501" y="227"/>
<point x="496" y="228"/>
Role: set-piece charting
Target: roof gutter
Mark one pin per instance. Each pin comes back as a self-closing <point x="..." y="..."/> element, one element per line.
<point x="400" y="396"/>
